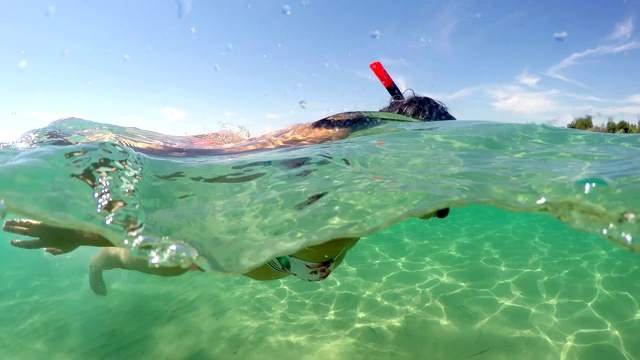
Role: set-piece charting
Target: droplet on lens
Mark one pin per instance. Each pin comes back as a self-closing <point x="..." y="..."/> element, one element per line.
<point x="50" y="12"/>
<point x="184" y="7"/>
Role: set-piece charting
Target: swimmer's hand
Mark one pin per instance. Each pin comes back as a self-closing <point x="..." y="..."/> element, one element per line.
<point x="54" y="240"/>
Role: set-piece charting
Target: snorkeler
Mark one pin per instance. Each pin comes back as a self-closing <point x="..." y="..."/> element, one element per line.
<point x="311" y="264"/>
<point x="331" y="128"/>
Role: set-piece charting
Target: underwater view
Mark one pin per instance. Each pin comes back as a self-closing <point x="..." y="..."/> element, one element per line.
<point x="504" y="275"/>
<point x="184" y="179"/>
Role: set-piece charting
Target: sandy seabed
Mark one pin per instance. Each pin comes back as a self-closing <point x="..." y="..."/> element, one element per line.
<point x="481" y="284"/>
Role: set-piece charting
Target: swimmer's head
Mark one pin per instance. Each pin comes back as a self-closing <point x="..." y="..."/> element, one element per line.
<point x="419" y="107"/>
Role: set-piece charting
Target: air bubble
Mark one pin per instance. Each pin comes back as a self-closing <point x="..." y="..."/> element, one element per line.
<point x="22" y="64"/>
<point x="145" y="243"/>
<point x="375" y="34"/>
<point x="193" y="30"/>
<point x="164" y="252"/>
<point x="590" y="184"/>
<point x="216" y="67"/>
<point x="302" y="104"/>
<point x="126" y="57"/>
<point x="3" y="210"/>
<point x="286" y="10"/>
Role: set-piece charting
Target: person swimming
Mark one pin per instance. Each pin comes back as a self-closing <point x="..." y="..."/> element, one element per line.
<point x="313" y="263"/>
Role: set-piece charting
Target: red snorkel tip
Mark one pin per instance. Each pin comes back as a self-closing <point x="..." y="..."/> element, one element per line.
<point x="386" y="80"/>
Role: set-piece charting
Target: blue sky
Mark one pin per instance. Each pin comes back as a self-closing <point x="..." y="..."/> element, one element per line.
<point x="187" y="66"/>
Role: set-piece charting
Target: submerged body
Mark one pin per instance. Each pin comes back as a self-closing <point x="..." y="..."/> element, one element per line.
<point x="312" y="263"/>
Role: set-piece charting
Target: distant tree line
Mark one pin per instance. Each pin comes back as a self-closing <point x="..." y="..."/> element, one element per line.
<point x="621" y="127"/>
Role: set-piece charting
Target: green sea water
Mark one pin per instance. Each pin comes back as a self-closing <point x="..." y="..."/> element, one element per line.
<point x="506" y="275"/>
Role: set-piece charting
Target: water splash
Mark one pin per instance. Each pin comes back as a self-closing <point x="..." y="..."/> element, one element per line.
<point x="236" y="130"/>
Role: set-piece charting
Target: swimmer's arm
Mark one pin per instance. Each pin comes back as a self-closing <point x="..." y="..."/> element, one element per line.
<point x="54" y="240"/>
<point x="109" y="258"/>
<point x="121" y="258"/>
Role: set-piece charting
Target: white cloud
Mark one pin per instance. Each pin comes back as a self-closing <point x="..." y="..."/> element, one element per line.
<point x="464" y="92"/>
<point x="622" y="31"/>
<point x="172" y="114"/>
<point x="527" y="79"/>
<point x="585" y="97"/>
<point x="634" y="98"/>
<point x="555" y="70"/>
<point x="620" y="111"/>
<point x="512" y="98"/>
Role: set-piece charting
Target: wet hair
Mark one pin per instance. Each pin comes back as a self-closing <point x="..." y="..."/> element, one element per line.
<point x="419" y="107"/>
